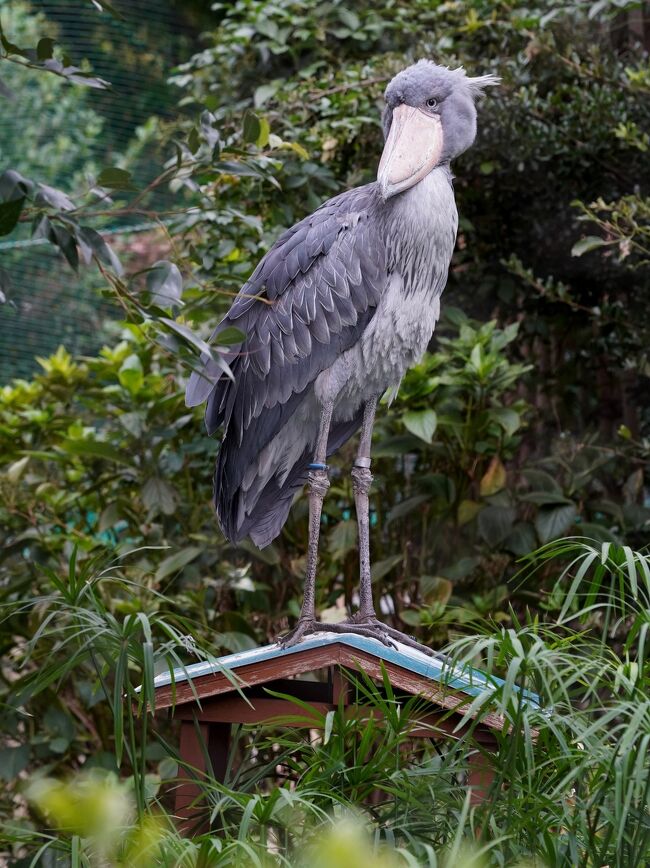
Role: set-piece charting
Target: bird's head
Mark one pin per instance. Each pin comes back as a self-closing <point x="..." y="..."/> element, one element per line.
<point x="429" y="119"/>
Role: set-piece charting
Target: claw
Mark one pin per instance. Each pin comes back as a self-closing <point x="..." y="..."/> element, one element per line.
<point x="368" y="627"/>
<point x="303" y="628"/>
<point x="369" y="630"/>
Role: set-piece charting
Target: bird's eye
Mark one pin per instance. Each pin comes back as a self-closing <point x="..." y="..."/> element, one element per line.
<point x="432" y="103"/>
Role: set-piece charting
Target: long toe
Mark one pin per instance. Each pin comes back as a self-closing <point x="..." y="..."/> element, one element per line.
<point x="370" y="628"/>
<point x="303" y="628"/>
<point x="373" y="630"/>
<point x="397" y="635"/>
<point x="405" y="639"/>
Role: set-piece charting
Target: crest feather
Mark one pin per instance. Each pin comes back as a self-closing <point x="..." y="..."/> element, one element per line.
<point x="478" y="83"/>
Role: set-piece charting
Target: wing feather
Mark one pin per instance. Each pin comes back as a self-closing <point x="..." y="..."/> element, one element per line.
<point x="323" y="278"/>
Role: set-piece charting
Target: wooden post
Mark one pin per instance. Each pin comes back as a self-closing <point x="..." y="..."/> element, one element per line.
<point x="188" y="808"/>
<point x="199" y="739"/>
<point x="480" y="776"/>
<point x="218" y="748"/>
<point x="340" y="686"/>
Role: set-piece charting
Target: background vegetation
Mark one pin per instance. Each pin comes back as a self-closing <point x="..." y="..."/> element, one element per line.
<point x="525" y="426"/>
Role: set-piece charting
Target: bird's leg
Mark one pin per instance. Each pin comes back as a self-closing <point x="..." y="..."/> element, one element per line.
<point x="318" y="483"/>
<point x="361" y="482"/>
<point x="365" y="618"/>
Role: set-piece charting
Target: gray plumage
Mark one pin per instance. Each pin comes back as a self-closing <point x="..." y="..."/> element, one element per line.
<point x="343" y="303"/>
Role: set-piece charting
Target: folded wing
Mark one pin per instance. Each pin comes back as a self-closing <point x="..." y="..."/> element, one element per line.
<point x="308" y="300"/>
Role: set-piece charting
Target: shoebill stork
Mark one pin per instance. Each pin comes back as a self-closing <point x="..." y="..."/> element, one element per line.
<point x="334" y="314"/>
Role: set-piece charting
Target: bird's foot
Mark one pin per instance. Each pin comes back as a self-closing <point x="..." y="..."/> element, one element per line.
<point x="396" y="635"/>
<point x="303" y="628"/>
<point x="309" y="626"/>
<point x="371" y="630"/>
<point x="360" y="625"/>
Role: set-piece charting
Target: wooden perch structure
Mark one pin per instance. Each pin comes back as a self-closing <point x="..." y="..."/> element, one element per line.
<point x="236" y="689"/>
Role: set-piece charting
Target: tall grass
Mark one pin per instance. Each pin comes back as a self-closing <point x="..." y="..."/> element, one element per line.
<point x="572" y="773"/>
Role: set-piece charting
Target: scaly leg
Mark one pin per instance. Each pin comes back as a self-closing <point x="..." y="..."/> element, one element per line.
<point x="366" y="617"/>
<point x="318" y="486"/>
<point x="361" y="482"/>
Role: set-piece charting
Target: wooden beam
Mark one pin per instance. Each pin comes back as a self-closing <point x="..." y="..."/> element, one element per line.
<point x="233" y="708"/>
<point x="215" y="683"/>
<point x="415" y="684"/>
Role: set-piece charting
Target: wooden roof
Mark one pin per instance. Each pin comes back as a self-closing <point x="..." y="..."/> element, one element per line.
<point x="408" y="669"/>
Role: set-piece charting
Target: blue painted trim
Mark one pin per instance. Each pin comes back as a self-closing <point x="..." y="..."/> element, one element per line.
<point x="468" y="680"/>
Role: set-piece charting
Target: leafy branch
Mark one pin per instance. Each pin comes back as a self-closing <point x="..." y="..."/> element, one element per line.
<point x="42" y="59"/>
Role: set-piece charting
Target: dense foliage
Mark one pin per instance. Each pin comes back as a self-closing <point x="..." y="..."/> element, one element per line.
<point x="525" y="423"/>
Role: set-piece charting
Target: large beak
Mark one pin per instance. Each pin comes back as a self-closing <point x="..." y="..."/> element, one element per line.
<point x="412" y="150"/>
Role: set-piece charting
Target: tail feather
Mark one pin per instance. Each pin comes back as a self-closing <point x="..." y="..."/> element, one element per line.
<point x="264" y="518"/>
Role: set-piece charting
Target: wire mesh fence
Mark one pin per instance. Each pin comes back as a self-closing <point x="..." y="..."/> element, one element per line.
<point x="59" y="134"/>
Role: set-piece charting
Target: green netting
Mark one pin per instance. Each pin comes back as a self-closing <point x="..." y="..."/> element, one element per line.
<point x="60" y="134"/>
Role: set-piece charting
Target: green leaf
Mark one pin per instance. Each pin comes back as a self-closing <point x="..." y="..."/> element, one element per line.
<point x="545" y="498"/>
<point x="540" y="480"/>
<point x="92" y="244"/>
<point x="411" y="617"/>
<point x="342" y="539"/>
<point x="44" y="48"/>
<point x="130" y="374"/>
<point x="521" y="540"/>
<point x="297" y="148"/>
<point x="405" y="507"/>
<point x="10" y="47"/>
<point x="495" y="523"/>
<point x="422" y="423"/>
<point x="380" y="569"/>
<point x="96" y="449"/>
<point x="508" y="419"/>
<point x="193" y="141"/>
<point x="16" y="469"/>
<point x="252" y="127"/>
<point x="268" y="555"/>
<point x="115" y="179"/>
<point x="349" y="18"/>
<point x="165" y="283"/>
<point x="159" y="496"/>
<point x="229" y="336"/>
<point x="66" y="243"/>
<point x="10" y="214"/>
<point x="597" y="532"/>
<point x="435" y="589"/>
<point x="263" y="137"/>
<point x="47" y="195"/>
<point x="468" y="510"/>
<point x="264" y="93"/>
<point x="590" y="242"/>
<point x="13" y="760"/>
<point x="174" y="563"/>
<point x="476" y="358"/>
<point x="461" y="568"/>
<point x="200" y="345"/>
<point x="552" y="523"/>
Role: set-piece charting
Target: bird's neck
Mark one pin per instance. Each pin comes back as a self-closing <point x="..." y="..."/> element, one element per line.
<point x="423" y="216"/>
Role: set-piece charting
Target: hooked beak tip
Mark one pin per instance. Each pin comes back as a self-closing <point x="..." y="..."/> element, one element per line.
<point x="386" y="190"/>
